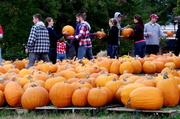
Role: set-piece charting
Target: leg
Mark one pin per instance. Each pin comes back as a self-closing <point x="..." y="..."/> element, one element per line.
<point x="89" y="53"/>
<point x="81" y="52"/>
<point x="143" y="49"/>
<point x="32" y="58"/>
<point x="45" y="57"/>
<point x="110" y="51"/>
<point x="0" y="57"/>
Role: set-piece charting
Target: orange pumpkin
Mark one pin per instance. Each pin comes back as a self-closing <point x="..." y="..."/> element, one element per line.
<point x="169" y="33"/>
<point x="68" y="29"/>
<point x="13" y="99"/>
<point x="35" y="97"/>
<point x="2" y="98"/>
<point x="127" y="32"/>
<point x="61" y="94"/>
<point x="149" y="67"/>
<point x="97" y="97"/>
<point x="79" y="97"/>
<point x="149" y="98"/>
<point x="137" y="66"/>
<point x="101" y="34"/>
<point x="126" y="66"/>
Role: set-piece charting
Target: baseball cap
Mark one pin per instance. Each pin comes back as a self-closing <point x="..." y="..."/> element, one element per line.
<point x="154" y="16"/>
<point x="120" y="15"/>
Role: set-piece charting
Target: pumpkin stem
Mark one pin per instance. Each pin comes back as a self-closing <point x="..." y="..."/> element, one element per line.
<point x="128" y="102"/>
<point x="165" y="75"/>
<point x="33" y="85"/>
<point x="114" y="79"/>
<point x="2" y="79"/>
<point x="30" y="78"/>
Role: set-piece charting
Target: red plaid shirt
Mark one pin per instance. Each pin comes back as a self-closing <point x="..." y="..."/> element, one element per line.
<point x="1" y="30"/>
<point x="61" y="48"/>
<point x="83" y="36"/>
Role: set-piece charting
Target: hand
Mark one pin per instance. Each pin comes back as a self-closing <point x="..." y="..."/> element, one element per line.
<point x="96" y="34"/>
<point x="99" y="37"/>
<point x="26" y="51"/>
<point x="128" y="26"/>
<point x="149" y="34"/>
<point x="66" y="33"/>
<point x="126" y="37"/>
<point x="70" y="37"/>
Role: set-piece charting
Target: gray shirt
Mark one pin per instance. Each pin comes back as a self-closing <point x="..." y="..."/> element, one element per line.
<point x="156" y="31"/>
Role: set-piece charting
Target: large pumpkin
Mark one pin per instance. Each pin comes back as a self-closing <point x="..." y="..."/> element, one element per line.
<point x="150" y="98"/>
<point x="101" y="34"/>
<point x="170" y="91"/>
<point x="68" y="29"/>
<point x="13" y="92"/>
<point x="127" y="32"/>
<point x="61" y="94"/>
<point x="149" y="67"/>
<point x="2" y="98"/>
<point x="126" y="66"/>
<point x="35" y="97"/>
<point x="97" y="97"/>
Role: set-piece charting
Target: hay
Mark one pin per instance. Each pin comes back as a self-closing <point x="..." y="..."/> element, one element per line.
<point x="102" y="54"/>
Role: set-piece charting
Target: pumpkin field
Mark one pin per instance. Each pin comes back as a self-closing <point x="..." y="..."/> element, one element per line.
<point x="149" y="83"/>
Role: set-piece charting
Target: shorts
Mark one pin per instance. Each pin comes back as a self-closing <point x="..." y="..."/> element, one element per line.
<point x="152" y="49"/>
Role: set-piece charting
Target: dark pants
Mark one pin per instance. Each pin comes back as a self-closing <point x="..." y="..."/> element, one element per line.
<point x="112" y="51"/>
<point x="52" y="55"/>
<point x="139" y="49"/>
<point x="177" y="48"/>
<point x="152" y="49"/>
<point x="32" y="57"/>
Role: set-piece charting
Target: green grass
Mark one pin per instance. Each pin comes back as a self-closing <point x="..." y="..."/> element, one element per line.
<point x="9" y="114"/>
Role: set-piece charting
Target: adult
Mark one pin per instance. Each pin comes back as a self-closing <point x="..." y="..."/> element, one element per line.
<point x="85" y="44"/>
<point x="53" y="37"/>
<point x="112" y="39"/>
<point x="1" y="36"/>
<point x="177" y="45"/>
<point x="138" y="36"/>
<point x="152" y="33"/>
<point x="38" y="43"/>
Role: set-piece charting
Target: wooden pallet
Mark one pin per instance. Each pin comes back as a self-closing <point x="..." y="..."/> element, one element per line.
<point x="156" y="112"/>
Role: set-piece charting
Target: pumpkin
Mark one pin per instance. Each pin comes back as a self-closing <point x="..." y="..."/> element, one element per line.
<point x="101" y="34"/>
<point x="118" y="94"/>
<point x="170" y="91"/>
<point x="149" y="67"/>
<point x="79" y="97"/>
<point x="126" y="66"/>
<point x="2" y="98"/>
<point x="35" y="97"/>
<point x="137" y="66"/>
<point x="159" y="65"/>
<point x="169" y="33"/>
<point x="149" y="98"/>
<point x="51" y="81"/>
<point x="179" y="91"/>
<point x="19" y="64"/>
<point x="125" y="93"/>
<point x="147" y="81"/>
<point x="67" y="74"/>
<point x="113" y="86"/>
<point x="13" y="99"/>
<point x="114" y="67"/>
<point x="170" y="64"/>
<point x="109" y="93"/>
<point x="97" y="97"/>
<point x="61" y="94"/>
<point x="127" y="32"/>
<point x="81" y="84"/>
<point x="68" y="29"/>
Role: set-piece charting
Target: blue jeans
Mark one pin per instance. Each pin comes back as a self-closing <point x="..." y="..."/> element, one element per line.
<point x="112" y="51"/>
<point x="139" y="49"/>
<point x="33" y="57"/>
<point x="82" y="51"/>
<point x="61" y="57"/>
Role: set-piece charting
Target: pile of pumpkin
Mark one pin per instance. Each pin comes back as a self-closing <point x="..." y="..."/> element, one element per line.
<point x="95" y="82"/>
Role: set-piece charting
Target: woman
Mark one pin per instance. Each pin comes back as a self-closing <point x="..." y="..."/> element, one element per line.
<point x="53" y="39"/>
<point x="112" y="39"/>
<point x="138" y="36"/>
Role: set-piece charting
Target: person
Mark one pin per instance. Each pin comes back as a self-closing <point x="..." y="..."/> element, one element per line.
<point x="152" y="32"/>
<point x="53" y="37"/>
<point x="138" y="36"/>
<point x="85" y="44"/>
<point x="61" y="49"/>
<point x="177" y="44"/>
<point x="1" y="36"/>
<point x="112" y="39"/>
<point x="38" y="42"/>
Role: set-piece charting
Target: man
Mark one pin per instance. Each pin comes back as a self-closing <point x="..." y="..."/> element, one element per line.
<point x="118" y="16"/>
<point x="1" y="36"/>
<point x="152" y="32"/>
<point x="85" y="44"/>
<point x="38" y="43"/>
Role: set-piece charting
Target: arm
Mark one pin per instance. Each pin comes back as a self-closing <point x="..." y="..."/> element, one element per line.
<point x="32" y="37"/>
<point x="82" y="32"/>
<point x="161" y="34"/>
<point x="136" y="32"/>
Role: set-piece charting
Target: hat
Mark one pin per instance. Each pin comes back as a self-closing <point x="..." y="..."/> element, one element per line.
<point x="154" y="16"/>
<point x="120" y="15"/>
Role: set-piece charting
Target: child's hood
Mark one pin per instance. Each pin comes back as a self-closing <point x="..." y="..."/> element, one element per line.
<point x="40" y="23"/>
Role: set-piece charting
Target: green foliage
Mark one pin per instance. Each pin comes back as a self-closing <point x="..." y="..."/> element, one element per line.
<point x="16" y="18"/>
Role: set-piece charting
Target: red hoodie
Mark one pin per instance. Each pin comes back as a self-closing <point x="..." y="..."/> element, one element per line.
<point x="1" y="30"/>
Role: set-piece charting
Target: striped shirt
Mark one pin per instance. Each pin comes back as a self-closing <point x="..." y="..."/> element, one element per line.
<point x="61" y="48"/>
<point x="84" y="36"/>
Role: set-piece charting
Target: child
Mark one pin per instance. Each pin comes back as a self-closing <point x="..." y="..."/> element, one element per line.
<point x="61" y="49"/>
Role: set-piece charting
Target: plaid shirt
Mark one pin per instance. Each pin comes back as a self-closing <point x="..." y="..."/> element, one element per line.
<point x="38" y="41"/>
<point x="83" y="36"/>
<point x="61" y="48"/>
